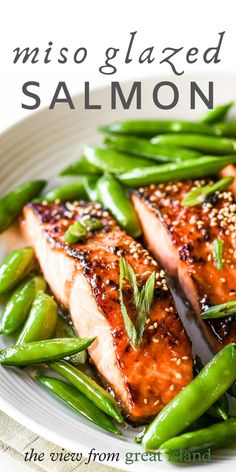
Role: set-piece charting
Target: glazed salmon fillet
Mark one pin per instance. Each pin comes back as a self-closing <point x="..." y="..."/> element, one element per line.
<point x="181" y="239"/>
<point x="84" y="277"/>
<point x="230" y="171"/>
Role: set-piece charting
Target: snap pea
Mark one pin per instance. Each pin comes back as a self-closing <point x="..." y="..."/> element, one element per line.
<point x="66" y="330"/>
<point x="114" y="162"/>
<point x="144" y="148"/>
<point x="220" y="408"/>
<point x="69" y="192"/>
<point x="19" y="304"/>
<point x="76" y="232"/>
<point x="227" y="129"/>
<point x="89" y="183"/>
<point x="80" y="167"/>
<point x="113" y="196"/>
<point x="194" y="168"/>
<point x="14" y="268"/>
<point x="94" y="392"/>
<point x="206" y="144"/>
<point x="215" y="436"/>
<point x="42" y="320"/>
<point x="149" y="128"/>
<point x="194" y="400"/>
<point x="219" y="311"/>
<point x="12" y="203"/>
<point x="42" y="351"/>
<point x="78" y="402"/>
<point x="217" y="114"/>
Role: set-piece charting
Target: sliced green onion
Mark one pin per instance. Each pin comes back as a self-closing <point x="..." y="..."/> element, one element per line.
<point x="143" y="299"/>
<point x="217" y="247"/>
<point x="199" y="195"/>
<point x="219" y="311"/>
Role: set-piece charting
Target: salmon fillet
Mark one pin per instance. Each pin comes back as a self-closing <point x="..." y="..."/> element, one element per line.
<point x="85" y="278"/>
<point x="181" y="239"/>
<point x="230" y="171"/>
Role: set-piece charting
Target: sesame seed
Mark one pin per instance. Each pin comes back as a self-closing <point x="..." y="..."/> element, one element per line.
<point x="178" y="362"/>
<point x="156" y="340"/>
<point x="145" y="401"/>
<point x="156" y="402"/>
<point x="178" y="375"/>
<point x="172" y="387"/>
<point x="184" y="358"/>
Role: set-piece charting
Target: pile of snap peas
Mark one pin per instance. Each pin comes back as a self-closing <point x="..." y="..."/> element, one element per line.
<point x="143" y="152"/>
<point x="135" y="153"/>
<point x="43" y="336"/>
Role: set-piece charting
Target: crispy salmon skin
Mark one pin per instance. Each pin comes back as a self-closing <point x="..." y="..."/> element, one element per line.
<point x="181" y="239"/>
<point x="85" y="278"/>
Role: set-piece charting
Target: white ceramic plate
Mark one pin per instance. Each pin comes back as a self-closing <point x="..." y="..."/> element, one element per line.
<point x="39" y="147"/>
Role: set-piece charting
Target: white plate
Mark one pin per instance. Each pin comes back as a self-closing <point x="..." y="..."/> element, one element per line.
<point x="39" y="147"/>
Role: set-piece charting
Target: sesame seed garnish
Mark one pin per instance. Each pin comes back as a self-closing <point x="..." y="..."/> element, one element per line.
<point x="172" y="387"/>
<point x="156" y="340"/>
<point x="184" y="358"/>
<point x="145" y="401"/>
<point x="156" y="402"/>
<point x="178" y="375"/>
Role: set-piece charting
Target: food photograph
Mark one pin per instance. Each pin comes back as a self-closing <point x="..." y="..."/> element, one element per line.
<point x="117" y="276"/>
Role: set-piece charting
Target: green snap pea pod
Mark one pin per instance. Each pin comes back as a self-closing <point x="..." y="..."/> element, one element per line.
<point x="90" y="187"/>
<point x="114" y="162"/>
<point x="194" y="400"/>
<point x="76" y="400"/>
<point x="227" y="129"/>
<point x="194" y="168"/>
<point x="144" y="148"/>
<point x="80" y="167"/>
<point x="113" y="196"/>
<point x="11" y="204"/>
<point x="69" y="192"/>
<point x="14" y="267"/>
<point x="94" y="392"/>
<point x="217" y="114"/>
<point x="220" y="408"/>
<point x="217" y="435"/>
<point x="42" y="320"/>
<point x="19" y="304"/>
<point x="206" y="144"/>
<point x="219" y="311"/>
<point x="65" y="330"/>
<point x="149" y="128"/>
<point x="42" y="351"/>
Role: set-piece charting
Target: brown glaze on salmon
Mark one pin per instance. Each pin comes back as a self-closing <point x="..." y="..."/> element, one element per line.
<point x="181" y="239"/>
<point x="85" y="278"/>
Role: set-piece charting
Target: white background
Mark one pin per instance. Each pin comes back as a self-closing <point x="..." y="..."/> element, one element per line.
<point x="97" y="25"/>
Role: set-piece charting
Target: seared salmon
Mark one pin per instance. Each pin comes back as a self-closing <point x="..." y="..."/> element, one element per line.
<point x="181" y="239"/>
<point x="230" y="171"/>
<point x="85" y="278"/>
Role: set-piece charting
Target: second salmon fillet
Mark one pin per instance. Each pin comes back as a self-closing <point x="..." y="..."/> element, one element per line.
<point x="85" y="278"/>
<point x="181" y="239"/>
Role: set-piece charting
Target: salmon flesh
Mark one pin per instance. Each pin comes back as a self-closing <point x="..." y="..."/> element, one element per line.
<point x="181" y="238"/>
<point x="84" y="277"/>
